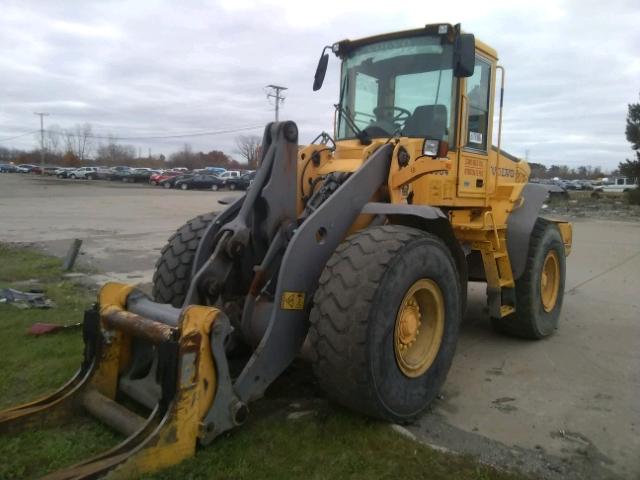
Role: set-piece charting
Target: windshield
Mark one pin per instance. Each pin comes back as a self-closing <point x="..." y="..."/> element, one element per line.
<point x="398" y="86"/>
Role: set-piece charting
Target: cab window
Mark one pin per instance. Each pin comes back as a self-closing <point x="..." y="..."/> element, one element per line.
<point x="477" y="91"/>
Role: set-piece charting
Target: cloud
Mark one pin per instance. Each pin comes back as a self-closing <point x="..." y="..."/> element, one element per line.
<point x="140" y="68"/>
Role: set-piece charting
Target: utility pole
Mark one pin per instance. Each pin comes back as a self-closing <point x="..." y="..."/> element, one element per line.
<point x="274" y="92"/>
<point x="42" y="115"/>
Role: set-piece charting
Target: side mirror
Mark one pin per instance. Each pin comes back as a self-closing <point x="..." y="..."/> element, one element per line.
<point x="464" y="55"/>
<point x="321" y="70"/>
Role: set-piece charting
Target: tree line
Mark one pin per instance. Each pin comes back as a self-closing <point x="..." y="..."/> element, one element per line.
<point x="78" y="146"/>
<point x="563" y="171"/>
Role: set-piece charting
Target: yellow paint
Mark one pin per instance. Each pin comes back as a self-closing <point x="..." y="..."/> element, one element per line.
<point x="419" y="328"/>
<point x="478" y="189"/>
<point x="292" y="301"/>
<point x="550" y="281"/>
<point x="175" y="438"/>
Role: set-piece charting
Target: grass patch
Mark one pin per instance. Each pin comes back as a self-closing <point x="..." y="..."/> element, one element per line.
<point x="33" y="366"/>
<point x="330" y="443"/>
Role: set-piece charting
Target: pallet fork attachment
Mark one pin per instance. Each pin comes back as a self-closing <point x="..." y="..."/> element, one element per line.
<point x="182" y="374"/>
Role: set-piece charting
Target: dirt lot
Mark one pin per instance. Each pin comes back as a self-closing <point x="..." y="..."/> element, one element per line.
<point x="566" y="407"/>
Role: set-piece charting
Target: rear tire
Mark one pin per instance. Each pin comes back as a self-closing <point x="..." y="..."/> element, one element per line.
<point x="232" y="186"/>
<point x="184" y="186"/>
<point x="214" y="187"/>
<point x="533" y="319"/>
<point x="166" y="185"/>
<point x="172" y="274"/>
<point x="354" y="321"/>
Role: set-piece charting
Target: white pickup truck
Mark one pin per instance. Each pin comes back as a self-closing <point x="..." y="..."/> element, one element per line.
<point x="619" y="184"/>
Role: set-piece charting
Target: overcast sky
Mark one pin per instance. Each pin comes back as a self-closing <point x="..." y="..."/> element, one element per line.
<point x="164" y="68"/>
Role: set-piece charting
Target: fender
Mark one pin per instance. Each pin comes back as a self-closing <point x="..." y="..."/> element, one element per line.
<point x="432" y="220"/>
<point x="520" y="225"/>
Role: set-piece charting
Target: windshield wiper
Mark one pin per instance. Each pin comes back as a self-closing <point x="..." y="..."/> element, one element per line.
<point x="361" y="135"/>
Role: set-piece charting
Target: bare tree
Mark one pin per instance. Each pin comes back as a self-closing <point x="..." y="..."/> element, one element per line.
<point x="113" y="154"/>
<point x="248" y="147"/>
<point x="79" y="141"/>
<point x="52" y="139"/>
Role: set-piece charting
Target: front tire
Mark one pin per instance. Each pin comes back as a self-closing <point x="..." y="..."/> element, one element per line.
<point x="364" y="318"/>
<point x="184" y="186"/>
<point x="540" y="289"/>
<point x="215" y="187"/>
<point x="232" y="186"/>
<point x="172" y="274"/>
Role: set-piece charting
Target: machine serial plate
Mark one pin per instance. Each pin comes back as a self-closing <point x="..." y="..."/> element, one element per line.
<point x="292" y="301"/>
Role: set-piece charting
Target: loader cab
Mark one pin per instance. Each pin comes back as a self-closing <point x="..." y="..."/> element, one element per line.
<point x="433" y="86"/>
<point x="404" y="83"/>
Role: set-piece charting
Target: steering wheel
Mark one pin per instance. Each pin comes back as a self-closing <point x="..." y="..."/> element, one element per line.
<point x="402" y="114"/>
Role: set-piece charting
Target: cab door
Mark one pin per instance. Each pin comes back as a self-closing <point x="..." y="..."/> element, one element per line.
<point x="473" y="161"/>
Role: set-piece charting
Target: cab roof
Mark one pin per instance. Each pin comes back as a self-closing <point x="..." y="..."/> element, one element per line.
<point x="344" y="46"/>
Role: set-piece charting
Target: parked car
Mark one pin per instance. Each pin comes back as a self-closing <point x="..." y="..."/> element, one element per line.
<point x="557" y="192"/>
<point x="199" y="181"/>
<point x="620" y="184"/>
<point x="240" y="183"/>
<point x="88" y="173"/>
<point x="213" y="170"/>
<point x="119" y="172"/>
<point x="50" y="170"/>
<point x="63" y="172"/>
<point x="8" y="168"/>
<point x="103" y="173"/>
<point x="139" y="175"/>
<point x="28" y="168"/>
<point x="229" y="174"/>
<point x="171" y="181"/>
<point x="157" y="178"/>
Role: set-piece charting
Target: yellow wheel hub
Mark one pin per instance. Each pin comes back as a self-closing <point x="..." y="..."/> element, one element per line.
<point x="550" y="281"/>
<point x="419" y="328"/>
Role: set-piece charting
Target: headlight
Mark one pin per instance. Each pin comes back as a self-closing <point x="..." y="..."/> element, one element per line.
<point x="430" y="148"/>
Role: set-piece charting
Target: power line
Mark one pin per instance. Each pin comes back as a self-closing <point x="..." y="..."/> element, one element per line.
<point x="148" y="137"/>
<point x="181" y="135"/>
<point x="18" y="136"/>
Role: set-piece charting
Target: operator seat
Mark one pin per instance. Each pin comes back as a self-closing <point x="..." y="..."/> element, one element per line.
<point x="428" y="121"/>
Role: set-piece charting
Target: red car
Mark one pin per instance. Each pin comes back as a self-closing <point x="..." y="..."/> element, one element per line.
<point x="156" y="178"/>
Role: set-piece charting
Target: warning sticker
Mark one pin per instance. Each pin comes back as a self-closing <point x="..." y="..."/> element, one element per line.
<point x="292" y="301"/>
<point x="475" y="137"/>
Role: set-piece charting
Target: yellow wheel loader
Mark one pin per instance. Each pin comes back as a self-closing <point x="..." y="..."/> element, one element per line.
<point x="361" y="243"/>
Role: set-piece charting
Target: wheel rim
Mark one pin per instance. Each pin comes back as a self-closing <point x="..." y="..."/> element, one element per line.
<point x="419" y="328"/>
<point x="550" y="281"/>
